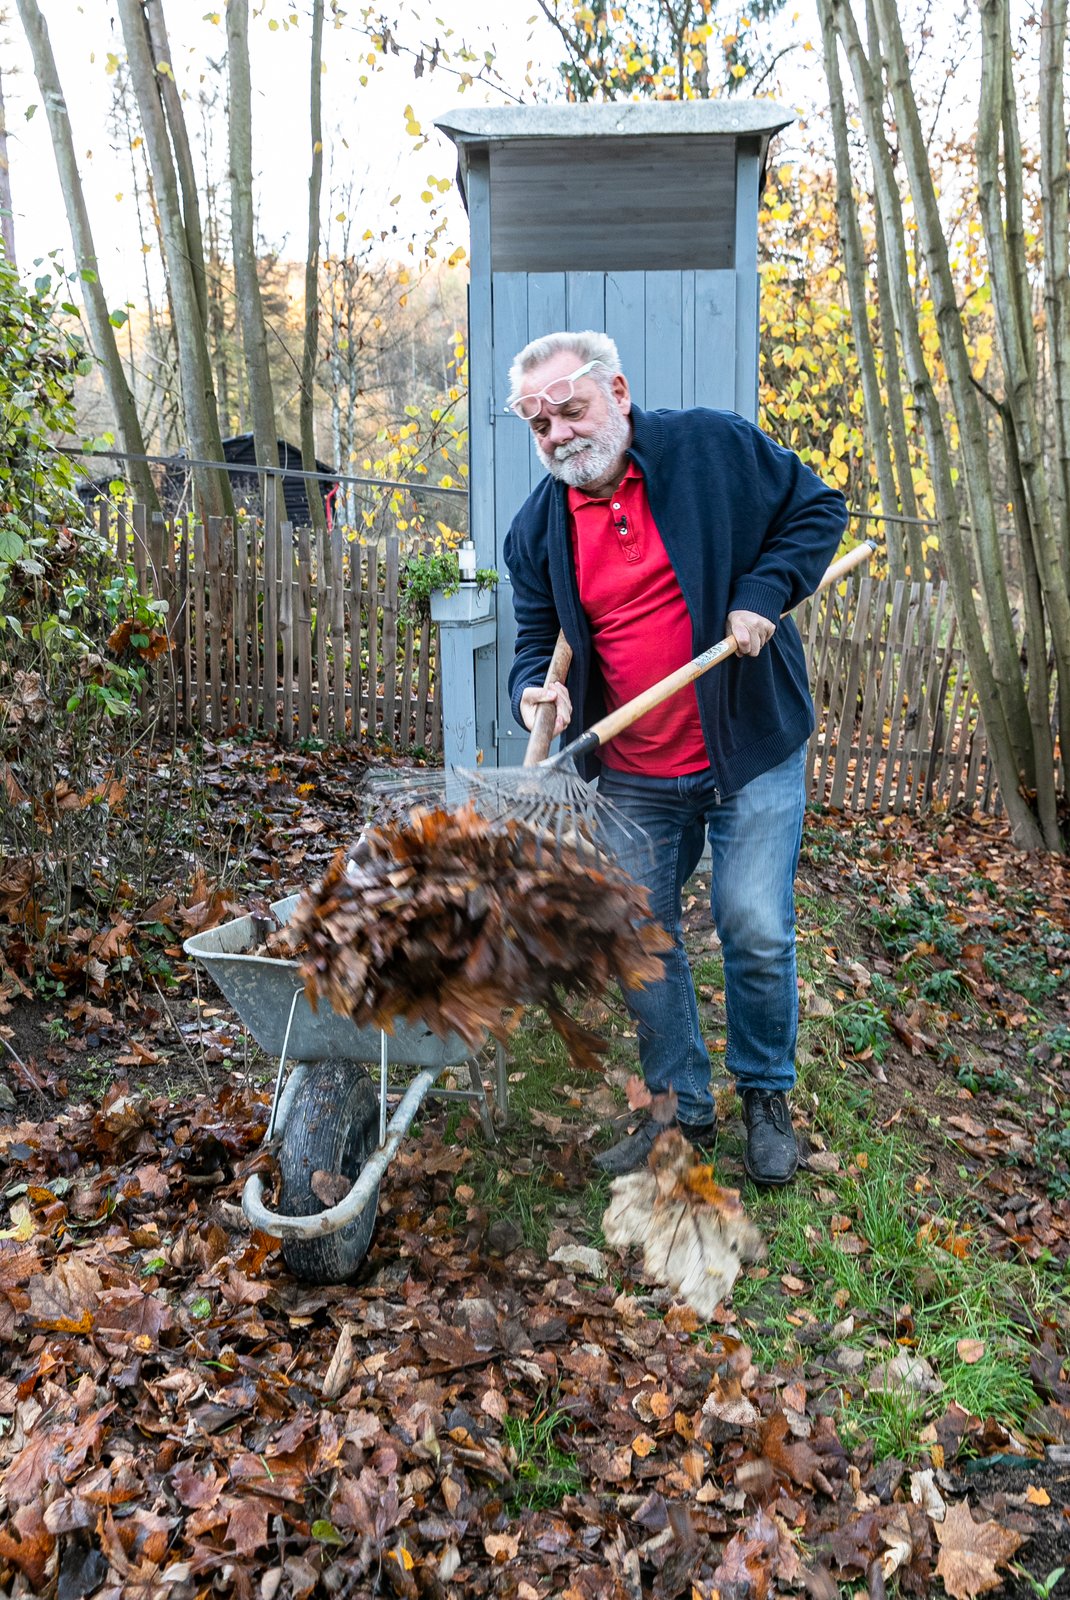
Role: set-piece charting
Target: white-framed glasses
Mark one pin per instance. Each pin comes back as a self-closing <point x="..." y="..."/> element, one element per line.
<point x="558" y="393"/>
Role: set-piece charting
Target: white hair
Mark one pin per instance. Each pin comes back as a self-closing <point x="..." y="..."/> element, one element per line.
<point x="587" y="346"/>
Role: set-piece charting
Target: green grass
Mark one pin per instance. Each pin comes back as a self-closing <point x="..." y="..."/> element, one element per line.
<point x="545" y="1471"/>
<point x="892" y="1421"/>
<point x="950" y="1297"/>
<point x="513" y="1180"/>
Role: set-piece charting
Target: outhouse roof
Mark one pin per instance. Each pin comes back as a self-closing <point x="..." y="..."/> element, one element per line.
<point x="472" y="126"/>
<point x="614" y="119"/>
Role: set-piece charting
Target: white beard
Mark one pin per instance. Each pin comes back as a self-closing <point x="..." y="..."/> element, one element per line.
<point x="584" y="461"/>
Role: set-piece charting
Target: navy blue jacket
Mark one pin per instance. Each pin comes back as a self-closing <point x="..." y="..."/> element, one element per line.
<point x="747" y="527"/>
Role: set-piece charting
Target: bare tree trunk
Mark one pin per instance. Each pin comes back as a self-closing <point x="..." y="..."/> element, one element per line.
<point x="893" y="385"/>
<point x="855" y="267"/>
<point x="312" y="264"/>
<point x="1054" y="182"/>
<point x="101" y="329"/>
<point x="217" y="315"/>
<point x="1008" y="754"/>
<point x="243" y="228"/>
<point x="972" y="441"/>
<point x="176" y="121"/>
<point x="892" y="380"/>
<point x="1039" y="682"/>
<point x="212" y="487"/>
<point x="7" y="219"/>
<point x="1005" y="246"/>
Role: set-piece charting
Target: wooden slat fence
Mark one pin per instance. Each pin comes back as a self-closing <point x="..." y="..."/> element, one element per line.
<point x="280" y="632"/>
<point x="898" y="725"/>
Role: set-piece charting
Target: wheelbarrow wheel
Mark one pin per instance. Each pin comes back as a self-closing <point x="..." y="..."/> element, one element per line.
<point x="332" y="1127"/>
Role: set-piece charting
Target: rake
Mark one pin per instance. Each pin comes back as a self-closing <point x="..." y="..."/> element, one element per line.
<point x="547" y="795"/>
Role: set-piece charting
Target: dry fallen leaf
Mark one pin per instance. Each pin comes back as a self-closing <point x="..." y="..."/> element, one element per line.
<point x="924" y="1493"/>
<point x="337" y="1377"/>
<point x="501" y="1546"/>
<point x="971" y="1551"/>
<point x="970" y="1351"/>
<point x="694" y="1235"/>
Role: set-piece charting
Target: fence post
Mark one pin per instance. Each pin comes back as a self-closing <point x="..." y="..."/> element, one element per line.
<point x="373" y="642"/>
<point x="338" y="634"/>
<point x="160" y="588"/>
<point x="390" y="635"/>
<point x="270" y="680"/>
<point x="286" y="627"/>
<point x="356" y="579"/>
<point x="214" y="545"/>
<point x="319" y="631"/>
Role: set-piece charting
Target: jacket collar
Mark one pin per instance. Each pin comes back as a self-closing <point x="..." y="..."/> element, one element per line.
<point x="648" y="439"/>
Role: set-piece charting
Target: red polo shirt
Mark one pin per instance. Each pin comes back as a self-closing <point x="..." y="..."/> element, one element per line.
<point x="640" y="626"/>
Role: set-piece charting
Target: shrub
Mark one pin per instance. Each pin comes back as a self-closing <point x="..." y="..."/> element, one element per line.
<point x="76" y="638"/>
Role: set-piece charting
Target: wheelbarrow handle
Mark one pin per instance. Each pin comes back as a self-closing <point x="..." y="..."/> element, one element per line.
<point x="608" y="727"/>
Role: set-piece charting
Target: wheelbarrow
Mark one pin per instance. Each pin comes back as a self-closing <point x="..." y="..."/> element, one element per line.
<point x="331" y="1122"/>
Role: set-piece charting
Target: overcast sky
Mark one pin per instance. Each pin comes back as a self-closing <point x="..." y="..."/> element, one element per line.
<point x="366" y="139"/>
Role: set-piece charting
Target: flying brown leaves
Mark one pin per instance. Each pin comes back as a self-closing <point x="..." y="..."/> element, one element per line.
<point x="451" y="920"/>
<point x="694" y="1235"/>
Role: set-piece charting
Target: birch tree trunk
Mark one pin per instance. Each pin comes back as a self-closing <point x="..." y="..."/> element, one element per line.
<point x="176" y="121"/>
<point x="7" y="219"/>
<point x="243" y="229"/>
<point x="1055" y="227"/>
<point x="1012" y="752"/>
<point x="312" y="265"/>
<point x="101" y="330"/>
<point x="893" y="386"/>
<point x="889" y="347"/>
<point x="211" y="487"/>
<point x="1005" y="246"/>
<point x="855" y="268"/>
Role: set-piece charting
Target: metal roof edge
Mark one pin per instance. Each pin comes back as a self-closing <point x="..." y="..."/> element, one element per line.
<point x="467" y="125"/>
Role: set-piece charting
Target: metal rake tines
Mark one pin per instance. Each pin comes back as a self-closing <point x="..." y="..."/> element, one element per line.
<point x="564" y="811"/>
<point x="553" y="805"/>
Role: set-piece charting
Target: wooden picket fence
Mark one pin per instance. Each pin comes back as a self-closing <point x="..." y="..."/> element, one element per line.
<point x="276" y="630"/>
<point x="898" y="726"/>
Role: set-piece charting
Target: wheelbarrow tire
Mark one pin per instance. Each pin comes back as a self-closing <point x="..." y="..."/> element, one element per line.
<point x="333" y="1127"/>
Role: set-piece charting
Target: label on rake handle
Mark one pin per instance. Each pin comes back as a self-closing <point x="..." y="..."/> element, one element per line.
<point x="710" y="657"/>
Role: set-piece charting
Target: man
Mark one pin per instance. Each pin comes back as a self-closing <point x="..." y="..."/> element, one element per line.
<point x="655" y="535"/>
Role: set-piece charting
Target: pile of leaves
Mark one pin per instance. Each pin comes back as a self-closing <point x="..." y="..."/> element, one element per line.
<point x="455" y="921"/>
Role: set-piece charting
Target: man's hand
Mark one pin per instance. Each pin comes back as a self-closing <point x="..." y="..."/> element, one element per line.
<point x="533" y="698"/>
<point x="750" y="631"/>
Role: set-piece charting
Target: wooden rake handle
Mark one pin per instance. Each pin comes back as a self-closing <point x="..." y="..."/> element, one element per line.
<point x="608" y="727"/>
<point x="542" y="729"/>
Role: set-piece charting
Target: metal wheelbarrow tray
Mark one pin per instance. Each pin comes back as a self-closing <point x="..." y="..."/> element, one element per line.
<point x="327" y="1112"/>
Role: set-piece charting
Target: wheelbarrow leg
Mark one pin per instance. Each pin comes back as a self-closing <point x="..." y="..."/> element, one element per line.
<point x="501" y="1084"/>
<point x="479" y="1095"/>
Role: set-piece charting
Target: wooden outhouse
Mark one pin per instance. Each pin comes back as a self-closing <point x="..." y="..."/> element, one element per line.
<point x="637" y="219"/>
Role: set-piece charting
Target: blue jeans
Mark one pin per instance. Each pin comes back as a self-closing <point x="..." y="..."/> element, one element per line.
<point x="755" y="837"/>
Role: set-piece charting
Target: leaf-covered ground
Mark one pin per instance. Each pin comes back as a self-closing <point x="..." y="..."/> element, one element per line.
<point x="885" y="1405"/>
